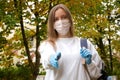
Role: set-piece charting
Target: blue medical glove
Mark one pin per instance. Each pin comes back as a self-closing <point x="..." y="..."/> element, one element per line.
<point x="86" y="54"/>
<point x="54" y="60"/>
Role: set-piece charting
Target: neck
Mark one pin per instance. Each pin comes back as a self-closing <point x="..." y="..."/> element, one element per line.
<point x="64" y="36"/>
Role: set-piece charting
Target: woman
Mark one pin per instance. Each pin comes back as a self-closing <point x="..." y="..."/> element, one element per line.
<point x="61" y="53"/>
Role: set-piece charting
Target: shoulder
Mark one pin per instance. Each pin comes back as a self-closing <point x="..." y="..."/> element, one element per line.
<point x="76" y="38"/>
<point x="45" y="45"/>
<point x="86" y="42"/>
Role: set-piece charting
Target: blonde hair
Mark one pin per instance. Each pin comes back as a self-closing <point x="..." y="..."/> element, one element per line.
<point x="52" y="34"/>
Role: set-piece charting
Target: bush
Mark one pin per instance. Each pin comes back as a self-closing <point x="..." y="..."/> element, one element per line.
<point x="15" y="73"/>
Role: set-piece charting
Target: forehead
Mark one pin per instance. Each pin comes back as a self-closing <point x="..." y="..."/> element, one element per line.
<point x="59" y="12"/>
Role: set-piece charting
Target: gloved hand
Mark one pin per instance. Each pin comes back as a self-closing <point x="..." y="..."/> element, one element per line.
<point x="86" y="54"/>
<point x="54" y="60"/>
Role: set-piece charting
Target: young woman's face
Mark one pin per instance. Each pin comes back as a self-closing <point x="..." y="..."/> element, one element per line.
<point x="60" y="14"/>
<point x="62" y="23"/>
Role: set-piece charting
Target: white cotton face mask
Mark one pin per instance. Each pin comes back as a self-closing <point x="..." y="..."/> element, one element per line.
<point x="62" y="26"/>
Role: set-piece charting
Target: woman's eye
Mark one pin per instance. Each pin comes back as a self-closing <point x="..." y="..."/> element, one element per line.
<point x="64" y="17"/>
<point x="59" y="18"/>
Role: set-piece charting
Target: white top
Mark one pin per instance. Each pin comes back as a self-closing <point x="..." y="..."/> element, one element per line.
<point x="70" y="64"/>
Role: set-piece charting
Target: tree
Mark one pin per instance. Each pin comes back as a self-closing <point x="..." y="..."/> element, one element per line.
<point x="91" y="19"/>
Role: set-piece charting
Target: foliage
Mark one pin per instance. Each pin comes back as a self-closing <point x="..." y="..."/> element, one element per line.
<point x="19" y="72"/>
<point x="15" y="73"/>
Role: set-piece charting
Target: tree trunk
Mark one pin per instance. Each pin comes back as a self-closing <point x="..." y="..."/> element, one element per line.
<point x="110" y="51"/>
<point x="33" y="68"/>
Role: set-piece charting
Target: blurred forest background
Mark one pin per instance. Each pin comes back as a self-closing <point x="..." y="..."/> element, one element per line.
<point x="23" y="27"/>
